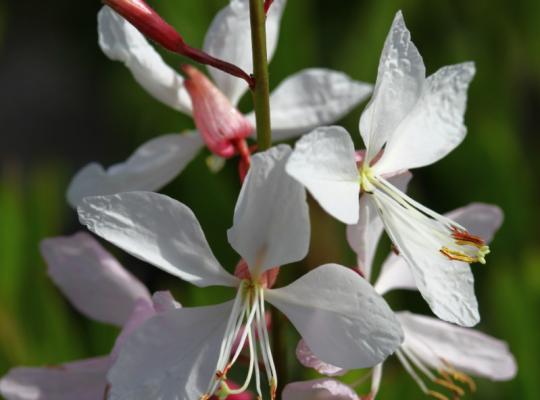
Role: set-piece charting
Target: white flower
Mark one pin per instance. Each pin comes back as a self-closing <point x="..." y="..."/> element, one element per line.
<point x="186" y="354"/>
<point x="99" y="287"/>
<point x="305" y="100"/>
<point x="443" y="353"/>
<point x="411" y="121"/>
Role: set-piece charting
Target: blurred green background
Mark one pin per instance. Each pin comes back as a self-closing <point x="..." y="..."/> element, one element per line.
<point x="64" y="104"/>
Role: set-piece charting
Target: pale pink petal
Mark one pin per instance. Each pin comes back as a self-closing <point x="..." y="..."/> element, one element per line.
<point x="171" y="356"/>
<point x="164" y="301"/>
<point x="153" y="165"/>
<point x="467" y="350"/>
<point x="91" y="278"/>
<point x="479" y="219"/>
<point x="309" y="360"/>
<point x="321" y="389"/>
<point x="81" y="380"/>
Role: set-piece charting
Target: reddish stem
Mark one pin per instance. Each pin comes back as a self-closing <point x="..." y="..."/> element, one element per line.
<point x="267" y="4"/>
<point x="245" y="157"/>
<point x="150" y="24"/>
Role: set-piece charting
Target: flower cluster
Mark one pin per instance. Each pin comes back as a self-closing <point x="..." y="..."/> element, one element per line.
<point x="169" y="352"/>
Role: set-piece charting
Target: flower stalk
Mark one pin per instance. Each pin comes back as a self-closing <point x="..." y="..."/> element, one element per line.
<point x="150" y="23"/>
<point x="261" y="88"/>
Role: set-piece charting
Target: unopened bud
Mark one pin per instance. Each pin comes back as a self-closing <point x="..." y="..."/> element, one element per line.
<point x="146" y="20"/>
<point x="221" y="125"/>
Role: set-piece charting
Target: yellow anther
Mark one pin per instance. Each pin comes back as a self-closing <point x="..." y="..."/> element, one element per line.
<point x="448" y="384"/>
<point x="459" y="256"/>
<point x="273" y="389"/>
<point x="457" y="375"/>
<point x="437" y="395"/>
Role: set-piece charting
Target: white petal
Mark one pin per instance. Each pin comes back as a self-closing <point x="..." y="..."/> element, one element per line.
<point x="395" y="274"/>
<point x="434" y="127"/>
<point x="150" y="167"/>
<point x="271" y="218"/>
<point x="91" y="278"/>
<point x="172" y="356"/>
<point x="229" y="38"/>
<point x="320" y="389"/>
<point x="479" y="219"/>
<point x="156" y="229"/>
<point x="339" y="315"/>
<point x="364" y="236"/>
<point x="309" y="360"/>
<point x="81" y="380"/>
<point x="467" y="350"/>
<point x="324" y="162"/>
<point x="446" y="285"/>
<point x="121" y="41"/>
<point x="311" y="98"/>
<point x="399" y="83"/>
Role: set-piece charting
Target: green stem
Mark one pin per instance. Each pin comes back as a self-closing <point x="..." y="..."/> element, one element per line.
<point x="261" y="90"/>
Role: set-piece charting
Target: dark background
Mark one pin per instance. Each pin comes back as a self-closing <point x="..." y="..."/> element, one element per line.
<point x="64" y="104"/>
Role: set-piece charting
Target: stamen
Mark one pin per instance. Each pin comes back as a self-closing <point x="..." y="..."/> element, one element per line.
<point x="266" y="345"/>
<point x="456" y="242"/>
<point x="460" y="376"/>
<point x="437" y="395"/>
<point x="248" y="315"/>
<point x="412" y="372"/>
<point x="447" y="383"/>
<point x="251" y="366"/>
<point x="467" y="238"/>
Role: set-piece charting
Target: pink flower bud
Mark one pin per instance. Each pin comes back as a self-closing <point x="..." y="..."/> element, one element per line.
<point x="146" y="20"/>
<point x="221" y="125"/>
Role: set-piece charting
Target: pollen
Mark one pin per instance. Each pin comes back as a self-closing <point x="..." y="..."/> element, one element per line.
<point x="437" y="395"/>
<point x="471" y="249"/>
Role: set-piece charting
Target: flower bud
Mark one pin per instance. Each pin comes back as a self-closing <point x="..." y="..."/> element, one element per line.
<point x="148" y="22"/>
<point x="221" y="125"/>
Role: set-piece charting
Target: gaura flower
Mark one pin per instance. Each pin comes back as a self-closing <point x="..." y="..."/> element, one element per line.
<point x="305" y="100"/>
<point x="99" y="287"/>
<point x="439" y="356"/>
<point x="186" y="353"/>
<point x="410" y="121"/>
